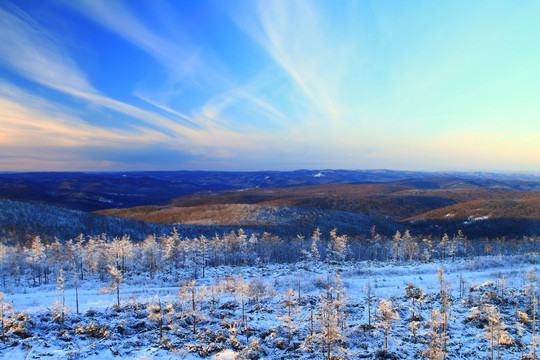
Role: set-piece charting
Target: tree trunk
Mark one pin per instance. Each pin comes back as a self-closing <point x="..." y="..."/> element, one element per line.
<point x="385" y="340"/>
<point x="118" y="294"/>
<point x="491" y="334"/>
<point x="444" y="331"/>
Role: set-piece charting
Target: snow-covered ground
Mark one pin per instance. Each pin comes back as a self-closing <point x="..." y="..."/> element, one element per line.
<point x="102" y="331"/>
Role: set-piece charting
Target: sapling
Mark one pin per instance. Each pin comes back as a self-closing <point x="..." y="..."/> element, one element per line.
<point x="5" y="307"/>
<point x="60" y="307"/>
<point x="330" y="329"/>
<point x="369" y="298"/>
<point x="116" y="281"/>
<point x="387" y="315"/>
<point x="291" y="314"/>
<point x="435" y="348"/>
<point x="157" y="313"/>
<point x="495" y="329"/>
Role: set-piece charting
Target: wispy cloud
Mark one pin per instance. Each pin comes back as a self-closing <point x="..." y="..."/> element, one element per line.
<point x="174" y="51"/>
<point x="295" y="35"/>
<point x="36" y="54"/>
<point x="46" y="62"/>
<point x="33" y="52"/>
<point x="36" y="122"/>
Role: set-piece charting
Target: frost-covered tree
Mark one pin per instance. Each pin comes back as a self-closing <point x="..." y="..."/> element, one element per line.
<point x="533" y="337"/>
<point x="258" y="289"/>
<point x="151" y="255"/>
<point x="56" y="254"/>
<point x="427" y="244"/>
<point x="76" y="251"/>
<point x="5" y="308"/>
<point x="397" y="245"/>
<point x="171" y="250"/>
<point x="443" y="245"/>
<point x="197" y="294"/>
<point x="204" y="253"/>
<point x="330" y="329"/>
<point x="435" y="350"/>
<point x="97" y="256"/>
<point x="121" y="250"/>
<point x="417" y="297"/>
<point x="369" y="297"/>
<point x="337" y="247"/>
<point x="241" y="293"/>
<point x="314" y="248"/>
<point x="116" y="281"/>
<point x="410" y="246"/>
<point x="159" y="314"/>
<point x="386" y="316"/>
<point x="495" y="328"/>
<point x="530" y="287"/>
<point x="59" y="308"/>
<point x="35" y="255"/>
<point x="444" y="291"/>
<point x="9" y="262"/>
<point x="290" y="317"/>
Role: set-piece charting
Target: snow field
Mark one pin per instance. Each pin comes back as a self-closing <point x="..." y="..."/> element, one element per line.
<point x="131" y="335"/>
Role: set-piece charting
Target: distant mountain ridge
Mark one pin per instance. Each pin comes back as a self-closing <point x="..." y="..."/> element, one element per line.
<point x="103" y="190"/>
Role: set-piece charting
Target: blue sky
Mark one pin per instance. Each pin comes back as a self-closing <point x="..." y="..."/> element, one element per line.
<point x="277" y="85"/>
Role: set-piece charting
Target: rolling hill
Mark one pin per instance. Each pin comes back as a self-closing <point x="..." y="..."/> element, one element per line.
<point x="298" y="201"/>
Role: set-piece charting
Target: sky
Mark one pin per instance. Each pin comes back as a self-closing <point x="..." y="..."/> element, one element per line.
<point x="113" y="85"/>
